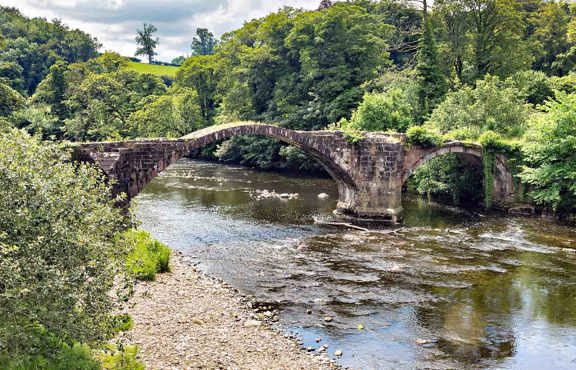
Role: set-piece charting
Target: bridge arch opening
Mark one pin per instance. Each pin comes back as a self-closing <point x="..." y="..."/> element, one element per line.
<point x="461" y="167"/>
<point x="314" y="144"/>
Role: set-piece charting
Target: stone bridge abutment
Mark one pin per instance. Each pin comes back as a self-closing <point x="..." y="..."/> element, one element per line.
<point x="369" y="174"/>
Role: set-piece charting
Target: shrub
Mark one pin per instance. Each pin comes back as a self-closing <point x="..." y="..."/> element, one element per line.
<point x="58" y="261"/>
<point x="121" y="358"/>
<point x="534" y="86"/>
<point x="146" y="257"/>
<point x="419" y="135"/>
<point x="550" y="156"/>
<point x="490" y="106"/>
<point x="388" y="111"/>
<point x="55" y="356"/>
<point x="492" y="141"/>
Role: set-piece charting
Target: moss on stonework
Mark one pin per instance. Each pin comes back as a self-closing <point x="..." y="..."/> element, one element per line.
<point x="488" y="165"/>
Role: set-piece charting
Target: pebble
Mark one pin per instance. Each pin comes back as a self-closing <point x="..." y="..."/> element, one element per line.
<point x="252" y="323"/>
<point x="338" y="353"/>
<point x="328" y="318"/>
<point x="323" y="196"/>
<point x="318" y="340"/>
<point x="421" y="341"/>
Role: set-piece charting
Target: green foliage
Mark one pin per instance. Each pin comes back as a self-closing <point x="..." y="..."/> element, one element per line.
<point x="146" y="257"/>
<point x="146" y="42"/>
<point x="488" y="168"/>
<point x="534" y="86"/>
<point x="431" y="82"/>
<point x="484" y="37"/>
<point x="154" y="69"/>
<point x="352" y="133"/>
<point x="257" y="151"/>
<point x="449" y="179"/>
<point x="121" y="358"/>
<point x="58" y="261"/>
<point x="32" y="46"/>
<point x="204" y="43"/>
<point x="123" y="322"/>
<point x="10" y="100"/>
<point x="173" y="115"/>
<point x="200" y="73"/>
<point x="389" y="111"/>
<point x="550" y="155"/>
<point x="37" y="120"/>
<point x="64" y="356"/>
<point x="492" y="142"/>
<point x="422" y="136"/>
<point x="490" y="106"/>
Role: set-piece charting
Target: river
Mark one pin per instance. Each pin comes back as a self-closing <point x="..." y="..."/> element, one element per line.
<point x="450" y="289"/>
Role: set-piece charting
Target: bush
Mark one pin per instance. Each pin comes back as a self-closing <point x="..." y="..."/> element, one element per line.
<point x="388" y="111"/>
<point x="490" y="106"/>
<point x="58" y="261"/>
<point x="418" y="135"/>
<point x="534" y="86"/>
<point x="549" y="152"/>
<point x="58" y="356"/>
<point x="121" y="358"/>
<point x="492" y="141"/>
<point x="146" y="257"/>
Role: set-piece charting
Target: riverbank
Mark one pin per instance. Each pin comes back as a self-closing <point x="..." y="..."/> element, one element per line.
<point x="187" y="320"/>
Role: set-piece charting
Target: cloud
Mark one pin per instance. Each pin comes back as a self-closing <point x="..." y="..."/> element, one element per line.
<point x="114" y="22"/>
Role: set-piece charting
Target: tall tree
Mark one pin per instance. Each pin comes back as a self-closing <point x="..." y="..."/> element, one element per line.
<point x="431" y="82"/>
<point x="325" y="4"/>
<point x="147" y="43"/>
<point x="205" y="43"/>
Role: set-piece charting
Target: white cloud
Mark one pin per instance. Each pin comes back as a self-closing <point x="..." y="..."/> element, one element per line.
<point x="114" y="22"/>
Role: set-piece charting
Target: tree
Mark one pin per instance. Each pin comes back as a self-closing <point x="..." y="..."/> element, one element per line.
<point x="178" y="60"/>
<point x="147" y="43"/>
<point x="325" y="4"/>
<point x="10" y="100"/>
<point x="431" y="82"/>
<point x="454" y="34"/>
<point x="205" y="43"/>
<point x="57" y="257"/>
<point x="550" y="155"/>
<point x="200" y="73"/>
<point x="550" y="23"/>
<point x="390" y="111"/>
<point x="173" y="115"/>
<point x="492" y="105"/>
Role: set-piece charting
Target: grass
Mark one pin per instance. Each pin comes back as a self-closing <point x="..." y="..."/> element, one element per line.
<point x="147" y="256"/>
<point x="154" y="69"/>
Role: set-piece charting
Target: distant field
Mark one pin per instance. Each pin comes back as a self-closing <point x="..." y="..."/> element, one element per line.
<point x="154" y="69"/>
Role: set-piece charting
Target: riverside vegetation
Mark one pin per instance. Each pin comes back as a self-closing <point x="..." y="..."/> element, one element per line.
<point x="506" y="80"/>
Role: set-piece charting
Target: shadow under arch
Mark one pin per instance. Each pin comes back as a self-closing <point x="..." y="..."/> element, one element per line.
<point x="503" y="184"/>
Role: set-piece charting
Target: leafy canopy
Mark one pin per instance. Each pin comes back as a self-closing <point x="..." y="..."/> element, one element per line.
<point x="57" y="256"/>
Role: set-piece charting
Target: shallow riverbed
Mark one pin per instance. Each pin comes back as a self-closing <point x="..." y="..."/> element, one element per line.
<point x="450" y="289"/>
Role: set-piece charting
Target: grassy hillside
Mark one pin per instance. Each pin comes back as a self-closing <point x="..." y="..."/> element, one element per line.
<point x="154" y="69"/>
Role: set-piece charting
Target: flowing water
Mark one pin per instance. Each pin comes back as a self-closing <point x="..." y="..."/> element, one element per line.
<point x="448" y="290"/>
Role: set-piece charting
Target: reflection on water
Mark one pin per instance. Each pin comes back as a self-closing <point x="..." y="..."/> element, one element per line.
<point x="449" y="290"/>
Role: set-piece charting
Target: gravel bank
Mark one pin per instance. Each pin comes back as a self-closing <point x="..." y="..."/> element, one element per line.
<point x="186" y="320"/>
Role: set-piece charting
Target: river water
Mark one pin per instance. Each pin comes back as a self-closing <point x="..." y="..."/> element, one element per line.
<point x="448" y="290"/>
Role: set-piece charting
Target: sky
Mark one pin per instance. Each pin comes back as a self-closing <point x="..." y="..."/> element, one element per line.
<point x="114" y="22"/>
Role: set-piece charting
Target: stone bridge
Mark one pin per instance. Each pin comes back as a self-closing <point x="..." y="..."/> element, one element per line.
<point x="369" y="174"/>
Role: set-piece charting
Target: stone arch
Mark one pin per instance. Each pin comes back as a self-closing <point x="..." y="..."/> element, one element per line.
<point x="315" y="143"/>
<point x="503" y="182"/>
<point x="133" y="164"/>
